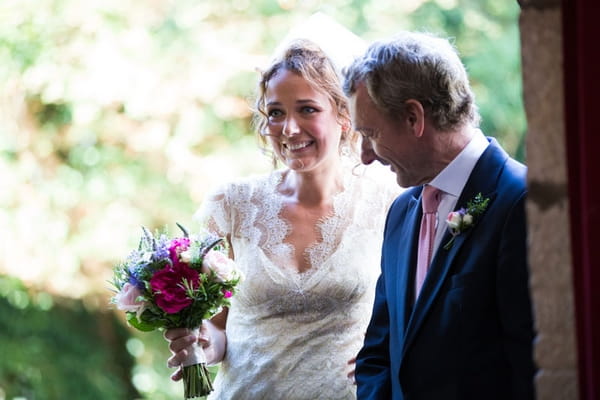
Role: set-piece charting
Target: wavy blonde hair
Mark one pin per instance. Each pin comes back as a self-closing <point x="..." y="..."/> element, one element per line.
<point x="306" y="59"/>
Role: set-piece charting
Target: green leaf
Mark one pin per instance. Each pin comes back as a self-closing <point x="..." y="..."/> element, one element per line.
<point x="478" y="205"/>
<point x="140" y="325"/>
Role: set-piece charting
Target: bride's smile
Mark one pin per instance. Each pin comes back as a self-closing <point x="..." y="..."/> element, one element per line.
<point x="292" y="147"/>
<point x="303" y="125"/>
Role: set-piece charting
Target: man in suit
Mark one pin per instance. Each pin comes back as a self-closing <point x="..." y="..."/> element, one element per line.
<point x="464" y="330"/>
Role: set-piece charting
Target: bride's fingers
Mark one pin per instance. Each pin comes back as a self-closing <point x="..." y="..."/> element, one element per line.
<point x="181" y="343"/>
<point x="350" y="375"/>
<point x="176" y="333"/>
<point x="204" y="340"/>
<point x="176" y="375"/>
<point x="176" y="359"/>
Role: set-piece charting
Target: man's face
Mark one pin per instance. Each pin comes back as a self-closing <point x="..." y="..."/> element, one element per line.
<point x="390" y="141"/>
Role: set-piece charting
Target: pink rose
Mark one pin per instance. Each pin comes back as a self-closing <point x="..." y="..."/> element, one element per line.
<point x="223" y="266"/>
<point x="454" y="220"/>
<point x="127" y="298"/>
<point x="169" y="290"/>
<point x="178" y="246"/>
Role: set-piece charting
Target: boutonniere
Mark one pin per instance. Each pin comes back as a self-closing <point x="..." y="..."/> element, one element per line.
<point x="464" y="218"/>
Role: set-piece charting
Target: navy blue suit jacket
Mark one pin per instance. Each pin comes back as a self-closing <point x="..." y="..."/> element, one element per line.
<point x="470" y="333"/>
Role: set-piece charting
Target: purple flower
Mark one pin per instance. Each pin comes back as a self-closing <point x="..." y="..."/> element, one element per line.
<point x="135" y="281"/>
<point x="176" y="247"/>
<point x="135" y="274"/>
<point x="162" y="248"/>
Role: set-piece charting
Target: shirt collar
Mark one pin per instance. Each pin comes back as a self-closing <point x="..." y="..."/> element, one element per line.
<point x="453" y="178"/>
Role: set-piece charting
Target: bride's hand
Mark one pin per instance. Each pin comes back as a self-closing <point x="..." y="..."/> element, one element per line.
<point x="180" y="339"/>
<point x="211" y="338"/>
<point x="352" y="364"/>
<point x="213" y="342"/>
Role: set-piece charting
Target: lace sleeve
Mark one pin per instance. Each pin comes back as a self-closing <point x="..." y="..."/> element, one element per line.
<point x="377" y="193"/>
<point x="215" y="212"/>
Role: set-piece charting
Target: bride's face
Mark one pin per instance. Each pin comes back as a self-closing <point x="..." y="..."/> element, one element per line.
<point x="302" y="122"/>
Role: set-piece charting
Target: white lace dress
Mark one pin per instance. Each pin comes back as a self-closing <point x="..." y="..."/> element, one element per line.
<point x="290" y="334"/>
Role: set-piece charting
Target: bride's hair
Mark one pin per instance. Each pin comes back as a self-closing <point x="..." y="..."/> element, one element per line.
<point x="309" y="61"/>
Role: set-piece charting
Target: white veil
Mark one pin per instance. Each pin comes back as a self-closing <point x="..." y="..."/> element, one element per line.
<point x="339" y="43"/>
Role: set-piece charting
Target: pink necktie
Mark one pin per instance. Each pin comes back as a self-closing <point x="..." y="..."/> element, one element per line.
<point x="430" y="201"/>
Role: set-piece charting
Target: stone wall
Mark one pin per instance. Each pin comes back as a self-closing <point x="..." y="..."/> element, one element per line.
<point x="547" y="208"/>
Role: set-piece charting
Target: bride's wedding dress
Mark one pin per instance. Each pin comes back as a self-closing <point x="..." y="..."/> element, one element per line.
<point x="290" y="335"/>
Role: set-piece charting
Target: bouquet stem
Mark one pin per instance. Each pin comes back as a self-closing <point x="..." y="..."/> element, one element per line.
<point x="196" y="381"/>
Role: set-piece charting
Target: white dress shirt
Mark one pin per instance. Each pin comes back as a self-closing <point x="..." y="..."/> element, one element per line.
<point x="452" y="179"/>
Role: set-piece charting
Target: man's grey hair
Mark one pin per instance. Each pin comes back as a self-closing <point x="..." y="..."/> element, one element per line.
<point x="417" y="66"/>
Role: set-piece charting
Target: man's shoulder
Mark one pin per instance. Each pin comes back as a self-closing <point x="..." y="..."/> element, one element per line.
<point x="513" y="178"/>
<point x="516" y="170"/>
<point x="407" y="196"/>
<point x="512" y="173"/>
<point x="401" y="204"/>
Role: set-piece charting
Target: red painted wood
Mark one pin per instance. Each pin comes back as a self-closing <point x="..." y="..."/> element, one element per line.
<point x="581" y="50"/>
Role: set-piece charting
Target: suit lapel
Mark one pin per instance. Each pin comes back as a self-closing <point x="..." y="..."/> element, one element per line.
<point x="407" y="256"/>
<point x="482" y="180"/>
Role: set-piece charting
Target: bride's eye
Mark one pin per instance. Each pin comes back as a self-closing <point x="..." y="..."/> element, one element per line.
<point x="309" y="110"/>
<point x="274" y="113"/>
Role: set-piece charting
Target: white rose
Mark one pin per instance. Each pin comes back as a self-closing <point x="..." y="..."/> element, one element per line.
<point x="185" y="256"/>
<point x="468" y="219"/>
<point x="223" y="266"/>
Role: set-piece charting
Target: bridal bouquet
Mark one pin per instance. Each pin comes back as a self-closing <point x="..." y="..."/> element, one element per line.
<point x="176" y="283"/>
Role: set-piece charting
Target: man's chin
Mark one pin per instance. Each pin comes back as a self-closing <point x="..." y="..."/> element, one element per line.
<point x="402" y="181"/>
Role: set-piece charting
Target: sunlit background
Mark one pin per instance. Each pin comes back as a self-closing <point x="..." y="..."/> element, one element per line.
<point x="119" y="113"/>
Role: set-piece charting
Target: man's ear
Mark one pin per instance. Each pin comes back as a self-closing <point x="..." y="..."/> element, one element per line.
<point x="415" y="116"/>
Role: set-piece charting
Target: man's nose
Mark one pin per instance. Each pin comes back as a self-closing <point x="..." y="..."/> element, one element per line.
<point x="367" y="155"/>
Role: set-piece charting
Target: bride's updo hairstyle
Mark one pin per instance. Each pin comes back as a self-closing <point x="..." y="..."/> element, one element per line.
<point x="304" y="58"/>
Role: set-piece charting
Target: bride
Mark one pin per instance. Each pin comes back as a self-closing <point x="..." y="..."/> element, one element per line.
<point x="307" y="238"/>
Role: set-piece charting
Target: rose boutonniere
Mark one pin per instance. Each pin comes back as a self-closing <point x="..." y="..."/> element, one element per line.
<point x="464" y="218"/>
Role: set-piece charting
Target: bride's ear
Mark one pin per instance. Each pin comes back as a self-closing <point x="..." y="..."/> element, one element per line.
<point x="345" y="127"/>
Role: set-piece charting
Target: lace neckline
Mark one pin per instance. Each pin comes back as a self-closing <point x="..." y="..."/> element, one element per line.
<point x="330" y="228"/>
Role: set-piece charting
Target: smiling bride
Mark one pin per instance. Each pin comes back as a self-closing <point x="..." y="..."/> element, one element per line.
<point x="307" y="238"/>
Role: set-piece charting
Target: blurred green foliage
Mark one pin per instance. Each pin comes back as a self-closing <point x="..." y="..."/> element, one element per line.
<point x="116" y="114"/>
<point x="54" y="348"/>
